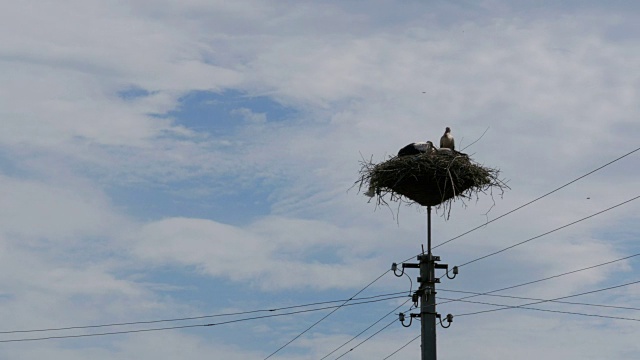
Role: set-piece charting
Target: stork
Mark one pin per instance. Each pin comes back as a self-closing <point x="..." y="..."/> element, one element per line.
<point x="446" y="141"/>
<point x="417" y="148"/>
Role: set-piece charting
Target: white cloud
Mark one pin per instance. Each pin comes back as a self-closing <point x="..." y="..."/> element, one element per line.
<point x="34" y="210"/>
<point x="273" y="254"/>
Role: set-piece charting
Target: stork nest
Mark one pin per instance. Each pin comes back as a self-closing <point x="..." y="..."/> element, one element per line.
<point x="428" y="179"/>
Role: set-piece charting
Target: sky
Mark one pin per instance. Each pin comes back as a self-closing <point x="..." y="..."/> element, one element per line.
<point x="183" y="159"/>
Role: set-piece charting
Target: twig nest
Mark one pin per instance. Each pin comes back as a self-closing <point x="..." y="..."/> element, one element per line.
<point x="429" y="179"/>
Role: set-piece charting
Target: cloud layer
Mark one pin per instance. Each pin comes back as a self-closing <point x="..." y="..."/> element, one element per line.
<point x="112" y="204"/>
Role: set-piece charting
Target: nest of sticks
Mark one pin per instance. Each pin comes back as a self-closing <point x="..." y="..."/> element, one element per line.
<point x="429" y="179"/>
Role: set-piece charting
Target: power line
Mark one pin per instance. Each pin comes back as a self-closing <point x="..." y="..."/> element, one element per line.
<point x="549" y="232"/>
<point x="102" y="334"/>
<point x="363" y="331"/>
<point x="402" y="347"/>
<point x="198" y="325"/>
<point x="194" y="317"/>
<point x="536" y="299"/>
<point x="545" y="310"/>
<point x="540" y="197"/>
<point x="326" y="316"/>
<point x="549" y="277"/>
<point x="547" y="300"/>
<point x="367" y="339"/>
<point x="374" y="334"/>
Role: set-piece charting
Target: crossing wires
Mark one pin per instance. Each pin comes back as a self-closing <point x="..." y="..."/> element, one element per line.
<point x="374" y="299"/>
<point x="540" y="197"/>
<point x="326" y="316"/>
<point x="549" y="232"/>
<point x="544" y="279"/>
<point x="554" y="299"/>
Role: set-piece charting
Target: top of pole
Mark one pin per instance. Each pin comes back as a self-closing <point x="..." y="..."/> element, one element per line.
<point x="429" y="229"/>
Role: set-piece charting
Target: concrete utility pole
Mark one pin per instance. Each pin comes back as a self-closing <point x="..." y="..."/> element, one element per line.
<point x="426" y="294"/>
<point x="428" y="307"/>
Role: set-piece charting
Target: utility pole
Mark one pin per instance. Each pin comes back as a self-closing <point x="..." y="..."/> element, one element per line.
<point x="426" y="295"/>
<point x="428" y="307"/>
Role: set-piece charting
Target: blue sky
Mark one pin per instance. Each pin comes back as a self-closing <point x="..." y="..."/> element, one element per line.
<point x="189" y="158"/>
<point x="211" y="115"/>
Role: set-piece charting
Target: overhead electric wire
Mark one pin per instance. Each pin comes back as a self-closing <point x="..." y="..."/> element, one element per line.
<point x="199" y="325"/>
<point x="547" y="300"/>
<point x="402" y="347"/>
<point x="549" y="232"/>
<point x="546" y="278"/>
<point x="194" y="317"/>
<point x="367" y="339"/>
<point x="363" y="331"/>
<point x="326" y="316"/>
<point x="540" y="197"/>
<point x="374" y="334"/>
<point x="103" y="334"/>
<point x="537" y="299"/>
<point x="545" y="310"/>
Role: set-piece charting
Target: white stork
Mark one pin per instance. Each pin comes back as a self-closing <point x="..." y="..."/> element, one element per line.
<point x="446" y="141"/>
<point x="417" y="148"/>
